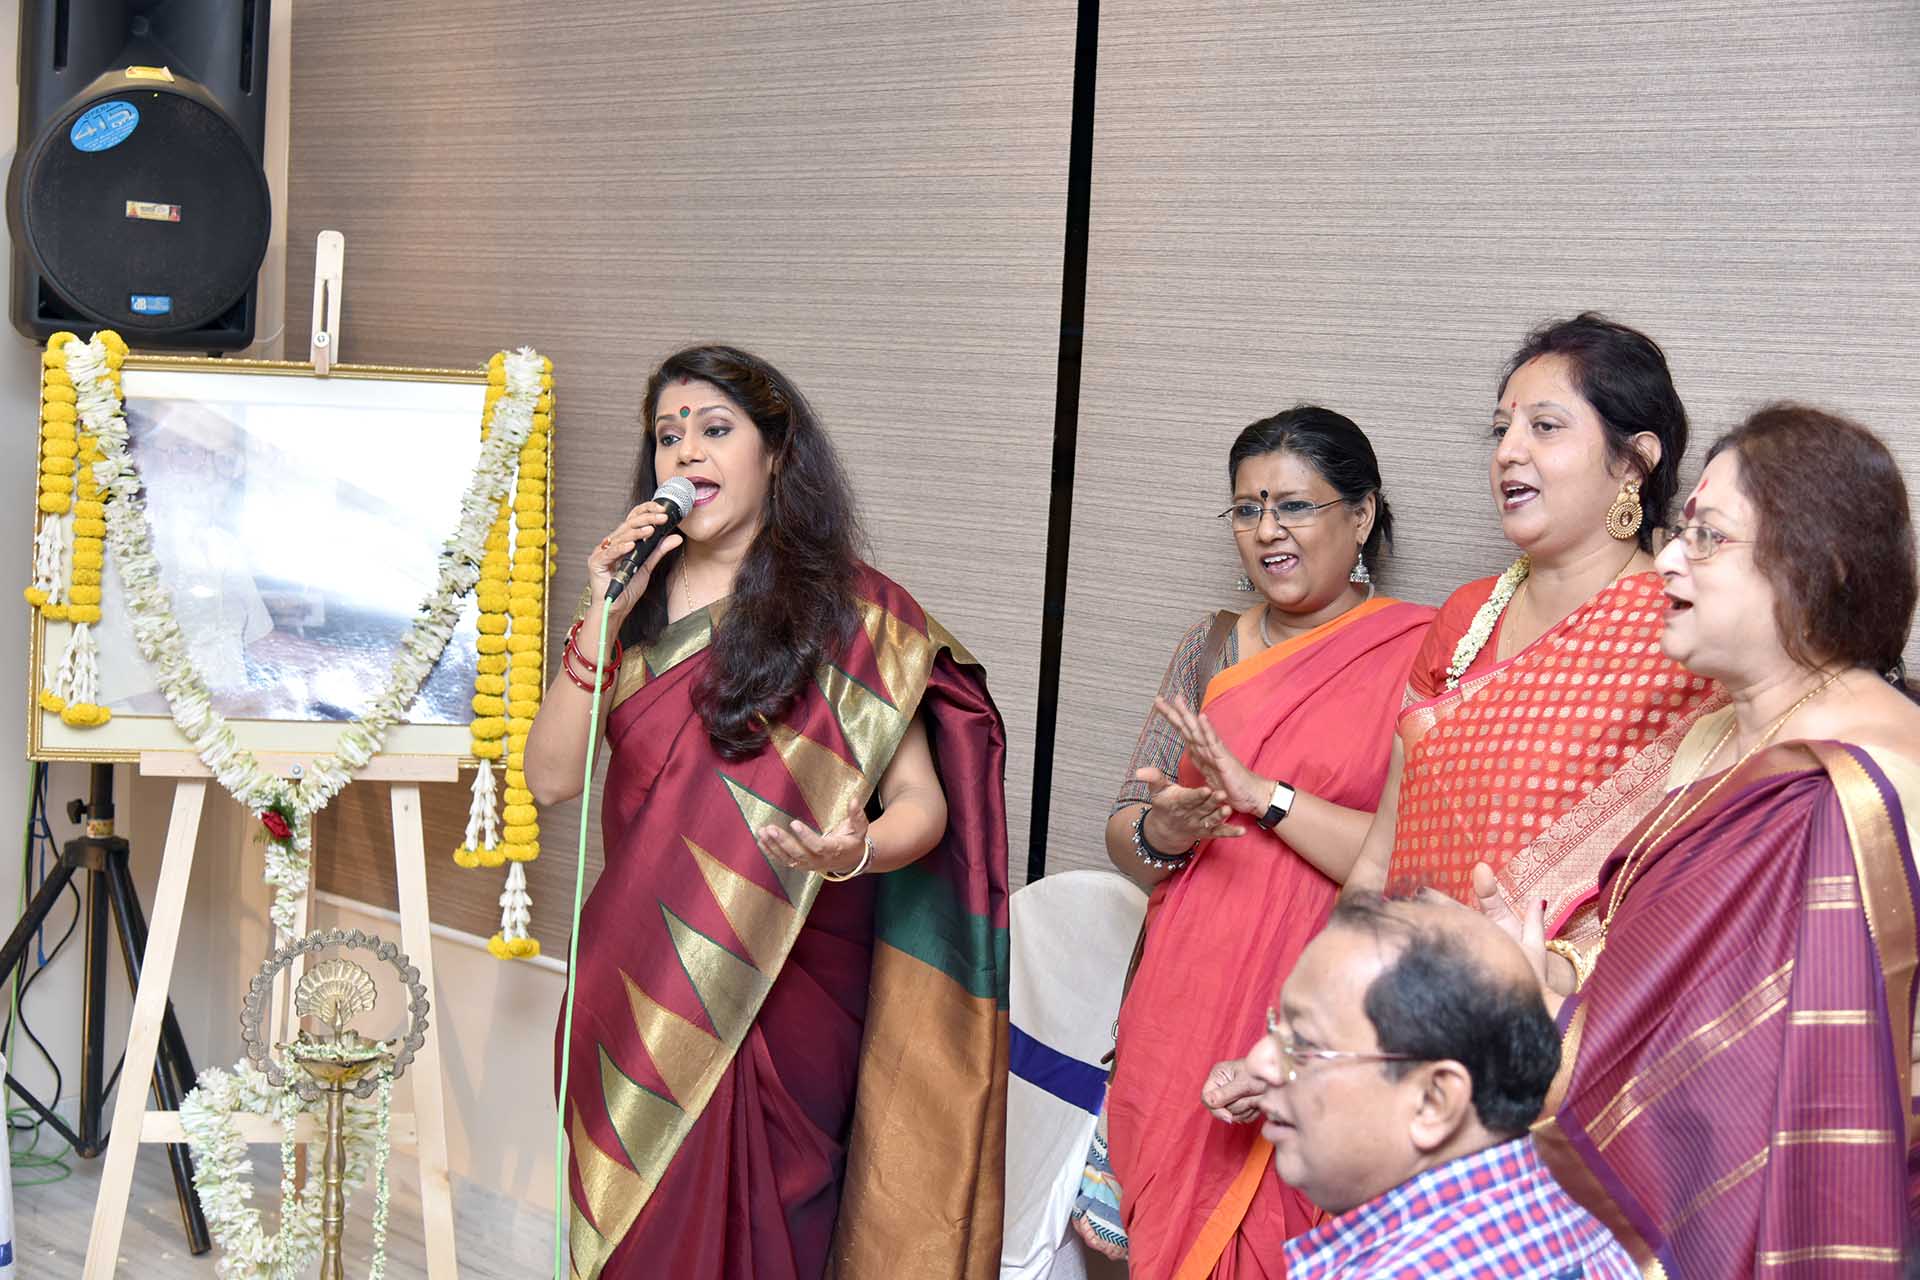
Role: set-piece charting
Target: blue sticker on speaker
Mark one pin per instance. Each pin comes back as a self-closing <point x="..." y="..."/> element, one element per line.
<point x="105" y="124"/>
<point x="151" y="304"/>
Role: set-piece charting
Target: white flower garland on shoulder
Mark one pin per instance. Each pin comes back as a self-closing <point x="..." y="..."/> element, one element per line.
<point x="222" y="1171"/>
<point x="285" y="809"/>
<point x="1486" y="619"/>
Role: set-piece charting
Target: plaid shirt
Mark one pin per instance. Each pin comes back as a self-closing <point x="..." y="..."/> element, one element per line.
<point x="1497" y="1213"/>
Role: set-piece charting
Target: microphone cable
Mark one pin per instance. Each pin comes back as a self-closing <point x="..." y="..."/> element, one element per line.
<point x="562" y="1199"/>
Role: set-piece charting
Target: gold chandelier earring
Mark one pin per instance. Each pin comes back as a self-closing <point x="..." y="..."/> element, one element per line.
<point x="1624" y="516"/>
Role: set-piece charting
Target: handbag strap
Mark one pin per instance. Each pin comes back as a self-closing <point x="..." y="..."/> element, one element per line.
<point x="1209" y="663"/>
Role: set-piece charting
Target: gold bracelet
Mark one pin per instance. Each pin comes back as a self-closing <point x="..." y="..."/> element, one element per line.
<point x="866" y="859"/>
<point x="1581" y="962"/>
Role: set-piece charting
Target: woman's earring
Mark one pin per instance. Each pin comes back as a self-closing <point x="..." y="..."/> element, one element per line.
<point x="1624" y="516"/>
<point x="1243" y="583"/>
<point x="1360" y="573"/>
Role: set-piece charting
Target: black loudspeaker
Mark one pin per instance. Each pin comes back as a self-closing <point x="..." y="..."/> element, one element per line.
<point x="138" y="196"/>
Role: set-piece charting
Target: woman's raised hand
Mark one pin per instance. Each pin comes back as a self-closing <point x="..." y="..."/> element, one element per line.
<point x="1244" y="790"/>
<point x="1232" y="1093"/>
<point x="1529" y="931"/>
<point x="800" y="846"/>
<point x="614" y="547"/>
<point x="1182" y="817"/>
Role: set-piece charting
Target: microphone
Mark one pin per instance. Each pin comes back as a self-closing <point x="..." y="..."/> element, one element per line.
<point x="676" y="495"/>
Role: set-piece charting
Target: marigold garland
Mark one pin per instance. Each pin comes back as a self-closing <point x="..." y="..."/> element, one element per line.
<point x="512" y="596"/>
<point x="68" y="486"/>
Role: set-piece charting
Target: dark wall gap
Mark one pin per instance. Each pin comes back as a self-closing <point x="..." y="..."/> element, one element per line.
<point x="1066" y="427"/>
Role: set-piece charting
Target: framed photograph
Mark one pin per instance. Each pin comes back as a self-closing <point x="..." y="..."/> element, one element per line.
<point x="298" y="521"/>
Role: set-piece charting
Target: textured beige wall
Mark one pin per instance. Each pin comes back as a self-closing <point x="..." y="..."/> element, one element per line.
<point x="1367" y="204"/>
<point x="870" y="195"/>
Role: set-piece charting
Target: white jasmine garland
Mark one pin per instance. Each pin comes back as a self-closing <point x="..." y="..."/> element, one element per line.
<point x="1486" y="619"/>
<point x="223" y="1170"/>
<point x="150" y="609"/>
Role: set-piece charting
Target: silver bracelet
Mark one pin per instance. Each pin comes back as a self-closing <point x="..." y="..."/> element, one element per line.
<point x="1151" y="856"/>
<point x="866" y="860"/>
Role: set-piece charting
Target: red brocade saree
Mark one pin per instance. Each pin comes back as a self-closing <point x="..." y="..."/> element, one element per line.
<point x="1538" y="765"/>
<point x="775" y="1077"/>
<point x="1734" y="1096"/>
<point x="1200" y="1198"/>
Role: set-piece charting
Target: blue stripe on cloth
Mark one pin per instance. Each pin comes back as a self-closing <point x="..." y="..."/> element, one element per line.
<point x="1067" y="1079"/>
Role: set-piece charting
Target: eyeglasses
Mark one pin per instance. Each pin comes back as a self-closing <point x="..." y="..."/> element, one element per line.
<point x="1699" y="541"/>
<point x="1292" y="1056"/>
<point x="1288" y="515"/>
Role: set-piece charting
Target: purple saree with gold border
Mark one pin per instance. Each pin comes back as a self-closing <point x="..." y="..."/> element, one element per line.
<point x="1735" y="1091"/>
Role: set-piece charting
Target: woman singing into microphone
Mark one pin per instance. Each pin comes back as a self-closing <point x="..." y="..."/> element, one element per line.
<point x="791" y="988"/>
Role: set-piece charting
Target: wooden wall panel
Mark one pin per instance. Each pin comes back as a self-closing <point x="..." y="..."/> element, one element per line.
<point x="869" y="194"/>
<point x="1367" y="204"/>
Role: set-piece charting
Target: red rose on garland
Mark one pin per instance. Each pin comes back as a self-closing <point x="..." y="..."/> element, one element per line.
<point x="276" y="824"/>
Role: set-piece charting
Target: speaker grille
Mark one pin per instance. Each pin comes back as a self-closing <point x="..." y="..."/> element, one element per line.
<point x="162" y="230"/>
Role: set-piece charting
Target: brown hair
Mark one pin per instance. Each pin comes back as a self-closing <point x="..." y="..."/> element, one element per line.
<point x="1835" y="536"/>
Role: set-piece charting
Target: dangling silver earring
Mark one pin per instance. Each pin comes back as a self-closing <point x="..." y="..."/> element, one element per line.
<point x="1360" y="573"/>
<point x="1243" y="583"/>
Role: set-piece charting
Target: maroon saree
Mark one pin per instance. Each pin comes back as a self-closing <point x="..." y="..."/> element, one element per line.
<point x="1734" y="1096"/>
<point x="761" y="1059"/>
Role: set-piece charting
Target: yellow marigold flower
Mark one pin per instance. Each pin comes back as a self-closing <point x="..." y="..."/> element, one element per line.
<point x="497" y="378"/>
<point x="524" y="676"/>
<point x="465" y="856"/>
<point x="516" y="795"/>
<point x="84" y="715"/>
<point x="533" y="520"/>
<point x="58" y="341"/>
<point x="112" y="341"/>
<point x="492" y="626"/>
<point x="56" y="466"/>
<point x="532" y="539"/>
<point x="525" y="612"/>
<point x="485" y="704"/>
<point x="498" y="360"/>
<point x="56" y="378"/>
<point x="90" y="510"/>
<point x="523" y="708"/>
<point x="494" y="392"/>
<point x="83" y="612"/>
<point x="54" y="360"/>
<point x="495" y="685"/>
<point x="519" y="727"/>
<point x="55" y="612"/>
<point x="54" y="393"/>
<point x="60" y="448"/>
<point x="87" y="557"/>
<point x="524" y="644"/>
<point x="51" y="701"/>
<point x="86" y="577"/>
<point x="59" y="414"/>
<point x="84" y="595"/>
<point x="35" y="596"/>
<point x="491" y="598"/>
<point x="486" y="750"/>
<point x="491" y="857"/>
<point x="83" y="527"/>
<point x="56" y="484"/>
<point x="516" y="742"/>
<point x="516" y="760"/>
<point x="485" y="727"/>
<point x="521" y="851"/>
<point x="492" y="664"/>
<point x="520" y="833"/>
<point x="544" y="404"/>
<point x="491" y="644"/>
<point x="534" y="471"/>
<point x="519" y="814"/>
<point x="54" y="503"/>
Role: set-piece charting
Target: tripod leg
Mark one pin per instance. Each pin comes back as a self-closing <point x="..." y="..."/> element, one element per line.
<point x="172" y="1070"/>
<point x="93" y="1021"/>
<point x="36" y="916"/>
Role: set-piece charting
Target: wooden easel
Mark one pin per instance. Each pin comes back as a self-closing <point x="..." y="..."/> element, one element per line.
<point x="424" y="1131"/>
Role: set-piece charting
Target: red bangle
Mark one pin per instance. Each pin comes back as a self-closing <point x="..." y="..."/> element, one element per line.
<point x="603" y="682"/>
<point x="573" y="647"/>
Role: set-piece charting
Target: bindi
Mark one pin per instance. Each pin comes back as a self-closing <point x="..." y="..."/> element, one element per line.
<point x="684" y="411"/>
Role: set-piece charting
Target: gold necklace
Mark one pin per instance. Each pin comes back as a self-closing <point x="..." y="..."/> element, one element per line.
<point x="1655" y="833"/>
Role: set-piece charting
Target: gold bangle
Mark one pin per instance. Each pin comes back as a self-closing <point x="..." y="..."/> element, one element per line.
<point x="866" y="860"/>
<point x="1581" y="962"/>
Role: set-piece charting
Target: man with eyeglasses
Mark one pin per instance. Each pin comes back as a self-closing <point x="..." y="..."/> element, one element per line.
<point x="1410" y="1053"/>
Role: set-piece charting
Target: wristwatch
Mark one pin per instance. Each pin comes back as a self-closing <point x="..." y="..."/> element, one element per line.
<point x="1277" y="808"/>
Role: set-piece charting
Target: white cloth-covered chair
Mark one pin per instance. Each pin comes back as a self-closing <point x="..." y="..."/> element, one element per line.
<point x="1073" y="934"/>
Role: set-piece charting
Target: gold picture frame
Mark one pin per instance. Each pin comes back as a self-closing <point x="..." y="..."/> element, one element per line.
<point x="298" y="520"/>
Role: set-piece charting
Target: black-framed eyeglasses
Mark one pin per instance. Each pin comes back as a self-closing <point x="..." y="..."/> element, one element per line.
<point x="1288" y="515"/>
<point x="1698" y="541"/>
<point x="1292" y="1055"/>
